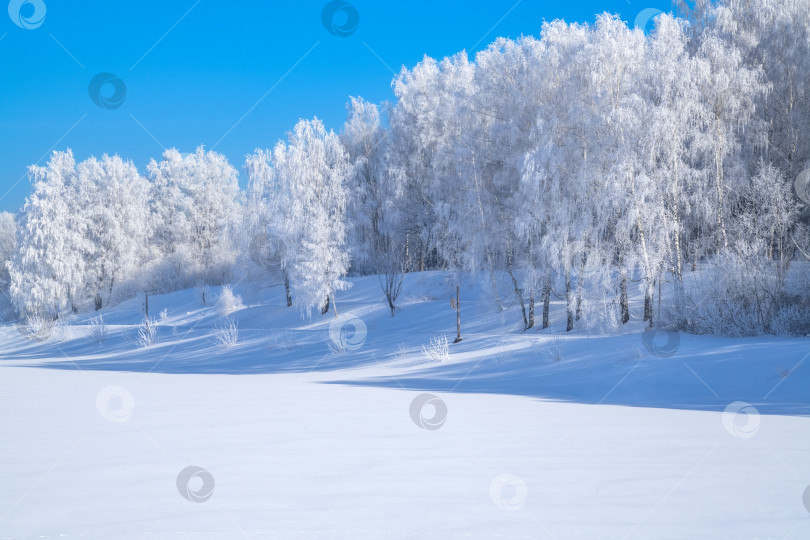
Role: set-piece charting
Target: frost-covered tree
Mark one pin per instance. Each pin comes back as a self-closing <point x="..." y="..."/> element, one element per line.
<point x="363" y="138"/>
<point x="302" y="185"/>
<point x="418" y="160"/>
<point x="195" y="209"/>
<point x="500" y="130"/>
<point x="47" y="270"/>
<point x="670" y="89"/>
<point x="8" y="232"/>
<point x="728" y="92"/>
<point x="558" y="169"/>
<point x="112" y="199"/>
<point x="630" y="223"/>
<point x="773" y="36"/>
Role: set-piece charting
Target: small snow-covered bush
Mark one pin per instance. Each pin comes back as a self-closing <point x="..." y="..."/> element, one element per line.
<point x="147" y="333"/>
<point x="61" y="331"/>
<point x="553" y="352"/>
<point x="227" y="333"/>
<point x="281" y="339"/>
<point x="336" y="347"/>
<point x="402" y="350"/>
<point x="503" y="357"/>
<point x="203" y="293"/>
<point x="37" y="327"/>
<point x="743" y="294"/>
<point x="228" y="302"/>
<point x="97" y="329"/>
<point x="438" y="350"/>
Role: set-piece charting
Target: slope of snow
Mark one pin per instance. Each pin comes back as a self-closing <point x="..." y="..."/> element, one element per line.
<point x="319" y="428"/>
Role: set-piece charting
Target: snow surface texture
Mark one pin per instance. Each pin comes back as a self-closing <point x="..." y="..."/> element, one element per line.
<point x="344" y="428"/>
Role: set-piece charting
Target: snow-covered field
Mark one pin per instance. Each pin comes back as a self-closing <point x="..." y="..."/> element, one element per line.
<point x="321" y="428"/>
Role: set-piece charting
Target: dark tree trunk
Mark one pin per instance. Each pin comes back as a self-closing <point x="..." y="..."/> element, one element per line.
<point x="325" y="308"/>
<point x="625" y="308"/>
<point x="531" y="312"/>
<point x="648" y="307"/>
<point x="287" y="290"/>
<point x="458" y="316"/>
<point x="546" y="302"/>
<point x="570" y="322"/>
<point x="109" y="293"/>
<point x="659" y="297"/>
<point x="519" y="295"/>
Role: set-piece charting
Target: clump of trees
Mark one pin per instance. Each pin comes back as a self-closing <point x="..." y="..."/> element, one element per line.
<point x="580" y="164"/>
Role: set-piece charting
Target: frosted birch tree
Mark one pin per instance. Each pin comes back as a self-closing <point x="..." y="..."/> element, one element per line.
<point x="305" y="195"/>
<point x="195" y="206"/>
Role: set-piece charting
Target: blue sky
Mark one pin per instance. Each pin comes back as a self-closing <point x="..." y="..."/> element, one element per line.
<point x="233" y="76"/>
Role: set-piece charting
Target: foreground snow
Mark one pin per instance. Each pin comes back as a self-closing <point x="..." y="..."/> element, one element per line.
<point x="303" y="433"/>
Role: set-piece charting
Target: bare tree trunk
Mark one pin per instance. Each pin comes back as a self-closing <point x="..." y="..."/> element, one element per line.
<point x="531" y="312"/>
<point x="721" y="221"/>
<point x="109" y="293"/>
<point x="392" y="286"/>
<point x="458" y="316"/>
<point x="408" y="251"/>
<point x="487" y="252"/>
<point x="287" y="289"/>
<point x="624" y="306"/>
<point x="518" y="292"/>
<point x="570" y="319"/>
<point x="648" y="306"/>
<point x="676" y="213"/>
<point x="546" y="301"/>
<point x="325" y="308"/>
<point x="493" y="281"/>
<point x="659" y="297"/>
<point x="519" y="295"/>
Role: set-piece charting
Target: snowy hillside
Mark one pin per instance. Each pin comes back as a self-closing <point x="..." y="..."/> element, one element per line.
<point x="345" y="428"/>
<point x="603" y="230"/>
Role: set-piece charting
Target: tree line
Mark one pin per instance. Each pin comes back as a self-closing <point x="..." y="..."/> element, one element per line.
<point x="583" y="164"/>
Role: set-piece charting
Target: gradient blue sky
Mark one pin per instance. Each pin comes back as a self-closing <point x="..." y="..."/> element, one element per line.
<point x="194" y="68"/>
